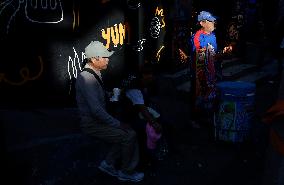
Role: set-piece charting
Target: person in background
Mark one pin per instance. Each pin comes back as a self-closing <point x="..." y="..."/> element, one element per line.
<point x="97" y="122"/>
<point x="203" y="68"/>
<point x="144" y="119"/>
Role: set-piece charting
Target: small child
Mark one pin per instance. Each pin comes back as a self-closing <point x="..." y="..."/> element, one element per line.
<point x="154" y="133"/>
<point x="150" y="133"/>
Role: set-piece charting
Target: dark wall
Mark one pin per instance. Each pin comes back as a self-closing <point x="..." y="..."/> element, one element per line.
<point x="41" y="42"/>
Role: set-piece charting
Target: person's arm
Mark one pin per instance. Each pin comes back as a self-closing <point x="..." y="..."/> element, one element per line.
<point x="90" y="88"/>
<point x="137" y="99"/>
<point x="145" y="113"/>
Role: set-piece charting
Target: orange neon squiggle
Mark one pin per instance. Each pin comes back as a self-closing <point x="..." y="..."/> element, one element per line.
<point x="25" y="74"/>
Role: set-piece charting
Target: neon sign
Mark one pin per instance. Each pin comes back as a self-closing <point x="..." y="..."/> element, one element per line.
<point x="157" y="23"/>
<point x="139" y="46"/>
<point x="114" y="34"/>
<point x="74" y="64"/>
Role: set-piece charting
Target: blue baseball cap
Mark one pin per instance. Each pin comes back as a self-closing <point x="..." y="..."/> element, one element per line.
<point x="203" y="15"/>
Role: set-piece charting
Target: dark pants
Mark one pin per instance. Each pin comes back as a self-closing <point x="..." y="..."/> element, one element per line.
<point x="123" y="143"/>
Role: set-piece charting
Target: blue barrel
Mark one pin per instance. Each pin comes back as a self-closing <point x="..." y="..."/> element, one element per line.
<point x="234" y="117"/>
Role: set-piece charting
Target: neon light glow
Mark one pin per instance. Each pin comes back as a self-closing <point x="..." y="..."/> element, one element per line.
<point x="159" y="12"/>
<point x="49" y="6"/>
<point x="157" y="23"/>
<point x="155" y="27"/>
<point x="76" y="15"/>
<point x="74" y="64"/>
<point x="25" y="74"/>
<point x="139" y="46"/>
<point x="158" y="55"/>
<point x="132" y="4"/>
<point x="114" y="34"/>
<point x="53" y="6"/>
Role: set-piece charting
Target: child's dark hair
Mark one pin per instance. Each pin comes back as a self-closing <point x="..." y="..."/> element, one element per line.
<point x="131" y="81"/>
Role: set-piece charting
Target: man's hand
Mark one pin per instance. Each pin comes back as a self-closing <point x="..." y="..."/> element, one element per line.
<point x="227" y="49"/>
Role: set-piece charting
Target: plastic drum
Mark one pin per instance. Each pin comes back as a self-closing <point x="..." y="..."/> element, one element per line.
<point x="233" y="119"/>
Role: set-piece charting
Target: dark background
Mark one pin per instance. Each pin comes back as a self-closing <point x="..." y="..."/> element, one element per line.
<point x="24" y="41"/>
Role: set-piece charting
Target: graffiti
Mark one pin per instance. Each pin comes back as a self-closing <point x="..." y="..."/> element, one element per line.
<point x="25" y="74"/>
<point x="51" y="7"/>
<point x="74" y="67"/>
<point x="8" y="4"/>
<point x="155" y="27"/>
<point x="158" y="55"/>
<point x="161" y="13"/>
<point x="116" y="34"/>
<point x="74" y="64"/>
<point x="227" y="114"/>
<point x="133" y="4"/>
<point x="157" y="24"/>
<point x="226" y="120"/>
<point x="139" y="46"/>
<point x="52" y="10"/>
<point x="242" y="118"/>
<point x="233" y="32"/>
<point x="76" y="17"/>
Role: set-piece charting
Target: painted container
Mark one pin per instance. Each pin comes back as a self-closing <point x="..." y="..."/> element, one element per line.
<point x="233" y="119"/>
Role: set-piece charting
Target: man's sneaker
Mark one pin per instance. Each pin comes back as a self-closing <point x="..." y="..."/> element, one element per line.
<point x="134" y="177"/>
<point x="109" y="169"/>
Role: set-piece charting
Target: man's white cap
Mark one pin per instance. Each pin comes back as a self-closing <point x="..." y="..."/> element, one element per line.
<point x="97" y="49"/>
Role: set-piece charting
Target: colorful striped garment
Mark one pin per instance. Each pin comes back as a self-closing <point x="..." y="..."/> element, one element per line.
<point x="204" y="47"/>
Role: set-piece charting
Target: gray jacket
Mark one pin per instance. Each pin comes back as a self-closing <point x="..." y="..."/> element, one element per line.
<point x="91" y="101"/>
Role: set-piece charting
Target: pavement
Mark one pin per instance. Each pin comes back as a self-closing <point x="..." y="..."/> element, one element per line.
<point x="45" y="146"/>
